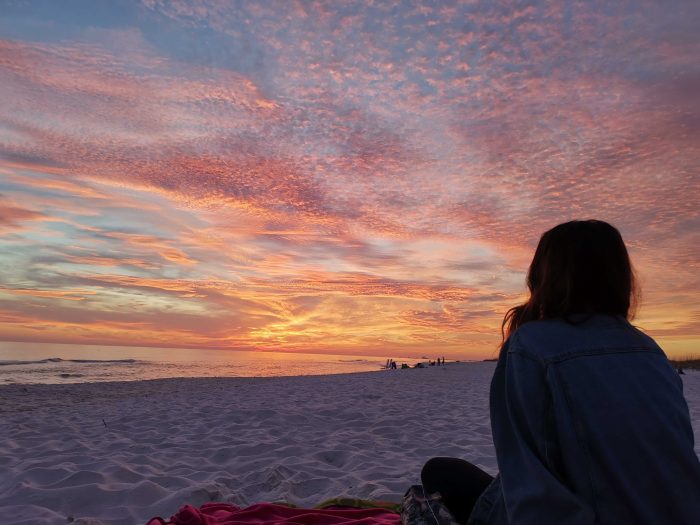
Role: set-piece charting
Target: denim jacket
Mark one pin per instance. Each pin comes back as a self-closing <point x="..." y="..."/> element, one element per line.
<point x="590" y="427"/>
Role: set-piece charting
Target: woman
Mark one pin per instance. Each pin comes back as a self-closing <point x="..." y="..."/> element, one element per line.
<point x="588" y="417"/>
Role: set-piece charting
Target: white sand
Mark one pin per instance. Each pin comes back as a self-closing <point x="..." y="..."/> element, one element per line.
<point x="239" y="440"/>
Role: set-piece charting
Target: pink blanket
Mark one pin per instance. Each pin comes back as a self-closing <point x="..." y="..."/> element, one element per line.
<point x="269" y="514"/>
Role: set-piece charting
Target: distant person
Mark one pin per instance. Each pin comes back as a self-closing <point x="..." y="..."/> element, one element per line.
<point x="393" y="364"/>
<point x="588" y="417"/>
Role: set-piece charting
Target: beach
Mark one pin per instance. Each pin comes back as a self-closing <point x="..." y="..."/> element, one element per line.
<point x="123" y="452"/>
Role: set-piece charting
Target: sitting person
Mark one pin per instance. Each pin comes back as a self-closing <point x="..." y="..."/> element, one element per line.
<point x="588" y="417"/>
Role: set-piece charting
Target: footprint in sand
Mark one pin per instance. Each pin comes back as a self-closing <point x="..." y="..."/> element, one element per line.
<point x="336" y="458"/>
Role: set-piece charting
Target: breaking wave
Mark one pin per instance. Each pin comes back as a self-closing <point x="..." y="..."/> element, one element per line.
<point x="59" y="360"/>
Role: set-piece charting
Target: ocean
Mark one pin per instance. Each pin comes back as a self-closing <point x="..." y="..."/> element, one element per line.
<point x="31" y="363"/>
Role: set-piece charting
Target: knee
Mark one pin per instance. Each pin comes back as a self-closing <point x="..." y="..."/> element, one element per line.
<point x="435" y="468"/>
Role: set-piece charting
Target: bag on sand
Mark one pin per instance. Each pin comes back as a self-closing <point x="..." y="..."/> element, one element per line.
<point x="419" y="508"/>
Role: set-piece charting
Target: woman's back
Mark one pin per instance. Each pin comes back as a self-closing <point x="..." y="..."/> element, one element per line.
<point x="590" y="426"/>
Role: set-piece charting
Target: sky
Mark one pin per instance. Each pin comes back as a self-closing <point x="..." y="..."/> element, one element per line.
<point x="342" y="177"/>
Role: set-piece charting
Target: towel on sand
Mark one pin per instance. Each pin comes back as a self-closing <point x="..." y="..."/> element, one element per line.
<point x="271" y="513"/>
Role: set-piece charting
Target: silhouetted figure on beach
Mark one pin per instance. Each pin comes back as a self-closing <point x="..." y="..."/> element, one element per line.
<point x="588" y="416"/>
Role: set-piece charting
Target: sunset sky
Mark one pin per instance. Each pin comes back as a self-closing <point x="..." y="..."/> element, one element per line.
<point x="342" y="177"/>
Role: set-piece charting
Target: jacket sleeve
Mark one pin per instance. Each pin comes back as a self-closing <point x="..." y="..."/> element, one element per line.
<point x="532" y="492"/>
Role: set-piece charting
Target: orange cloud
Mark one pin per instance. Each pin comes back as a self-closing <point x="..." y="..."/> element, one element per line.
<point x="12" y="216"/>
<point x="69" y="295"/>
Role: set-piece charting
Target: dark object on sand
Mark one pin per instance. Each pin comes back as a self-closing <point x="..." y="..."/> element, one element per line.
<point x="419" y="508"/>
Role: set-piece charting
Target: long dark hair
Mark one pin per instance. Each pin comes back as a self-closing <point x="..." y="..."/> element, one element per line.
<point x="579" y="267"/>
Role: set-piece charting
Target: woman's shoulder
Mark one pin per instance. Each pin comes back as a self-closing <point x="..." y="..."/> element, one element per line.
<point x="581" y="333"/>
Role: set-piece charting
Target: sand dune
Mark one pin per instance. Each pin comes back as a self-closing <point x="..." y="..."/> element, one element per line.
<point x="120" y="453"/>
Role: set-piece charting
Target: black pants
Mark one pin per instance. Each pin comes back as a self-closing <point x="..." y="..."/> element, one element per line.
<point x="459" y="483"/>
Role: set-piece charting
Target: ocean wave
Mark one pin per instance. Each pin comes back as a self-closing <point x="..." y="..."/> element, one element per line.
<point x="59" y="360"/>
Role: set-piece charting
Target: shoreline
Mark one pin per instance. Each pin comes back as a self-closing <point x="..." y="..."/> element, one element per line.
<point x="65" y="368"/>
<point x="169" y="370"/>
<point x="110" y="390"/>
